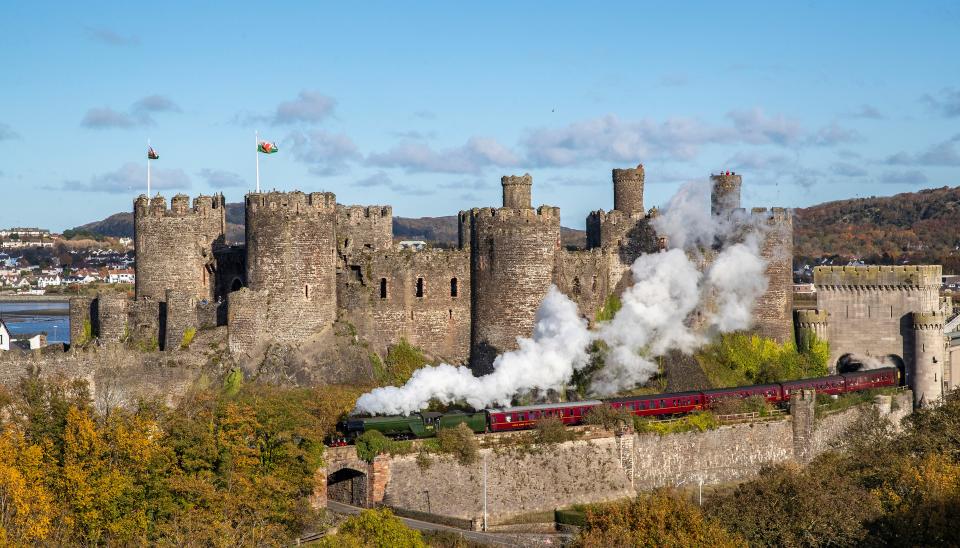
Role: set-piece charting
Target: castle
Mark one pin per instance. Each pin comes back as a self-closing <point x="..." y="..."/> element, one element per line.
<point x="309" y="261"/>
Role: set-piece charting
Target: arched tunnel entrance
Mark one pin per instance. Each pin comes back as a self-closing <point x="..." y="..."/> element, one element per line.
<point x="848" y="363"/>
<point x="348" y="486"/>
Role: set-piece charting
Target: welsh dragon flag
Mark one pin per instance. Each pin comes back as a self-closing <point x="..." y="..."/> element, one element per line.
<point x="152" y="154"/>
<point x="266" y="147"/>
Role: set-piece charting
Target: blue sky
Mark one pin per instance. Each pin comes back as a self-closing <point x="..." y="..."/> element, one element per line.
<point x="425" y="105"/>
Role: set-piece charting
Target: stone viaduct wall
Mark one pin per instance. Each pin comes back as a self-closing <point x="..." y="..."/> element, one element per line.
<point x="175" y="246"/>
<point x="599" y="469"/>
<point x="422" y="296"/>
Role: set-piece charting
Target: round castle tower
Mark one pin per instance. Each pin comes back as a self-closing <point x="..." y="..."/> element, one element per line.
<point x="513" y="249"/>
<point x="292" y="261"/>
<point x="926" y="376"/>
<point x="811" y="325"/>
<point x="628" y="190"/>
<point x="516" y="191"/>
<point x="725" y="192"/>
<point x="774" y="309"/>
<point x="174" y="247"/>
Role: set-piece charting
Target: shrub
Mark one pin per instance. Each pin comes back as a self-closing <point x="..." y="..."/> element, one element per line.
<point x="459" y="442"/>
<point x="700" y="421"/>
<point x="608" y="417"/>
<point x="610" y="308"/>
<point x="401" y="361"/>
<point x="659" y="519"/>
<point x="375" y="529"/>
<point x="551" y="430"/>
<point x="372" y="443"/>
<point x="740" y="358"/>
<point x="188" y="336"/>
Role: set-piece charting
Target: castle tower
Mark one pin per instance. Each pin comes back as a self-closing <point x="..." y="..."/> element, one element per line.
<point x="628" y="190"/>
<point x="925" y="376"/>
<point x="774" y="309"/>
<point x="516" y="191"/>
<point x="725" y="192"/>
<point x="174" y="247"/>
<point x="292" y="261"/>
<point x="512" y="257"/>
<point x="811" y="325"/>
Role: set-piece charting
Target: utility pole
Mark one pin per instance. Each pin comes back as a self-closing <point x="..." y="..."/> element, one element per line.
<point x="484" y="491"/>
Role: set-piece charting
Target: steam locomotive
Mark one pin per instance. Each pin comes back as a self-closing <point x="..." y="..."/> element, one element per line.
<point x="427" y="424"/>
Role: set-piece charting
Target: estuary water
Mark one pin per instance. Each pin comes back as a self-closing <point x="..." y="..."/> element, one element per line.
<point x="53" y="318"/>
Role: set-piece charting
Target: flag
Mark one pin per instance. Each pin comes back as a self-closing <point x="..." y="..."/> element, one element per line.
<point x="266" y="147"/>
<point x="152" y="154"/>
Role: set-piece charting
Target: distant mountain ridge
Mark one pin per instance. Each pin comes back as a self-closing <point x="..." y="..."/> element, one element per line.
<point x="910" y="227"/>
<point x="436" y="230"/>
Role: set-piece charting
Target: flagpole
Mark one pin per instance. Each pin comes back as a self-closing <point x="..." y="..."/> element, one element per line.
<point x="256" y="152"/>
<point x="148" y="169"/>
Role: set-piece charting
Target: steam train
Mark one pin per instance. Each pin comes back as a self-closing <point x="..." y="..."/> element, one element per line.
<point x="427" y="424"/>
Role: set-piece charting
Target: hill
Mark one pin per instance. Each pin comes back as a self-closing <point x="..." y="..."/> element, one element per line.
<point x="440" y="231"/>
<point x="913" y="227"/>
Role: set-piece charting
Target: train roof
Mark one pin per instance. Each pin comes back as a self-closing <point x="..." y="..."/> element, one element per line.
<point x="542" y="406"/>
<point x="869" y="371"/>
<point x="658" y="396"/>
<point x="741" y="388"/>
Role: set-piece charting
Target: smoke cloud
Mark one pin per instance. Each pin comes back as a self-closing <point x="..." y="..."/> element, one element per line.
<point x="707" y="283"/>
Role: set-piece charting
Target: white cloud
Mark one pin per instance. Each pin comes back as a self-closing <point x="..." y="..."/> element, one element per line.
<point x="131" y="177"/>
<point x="940" y="154"/>
<point x="110" y="37"/>
<point x="846" y="169"/>
<point x="310" y="107"/>
<point x="754" y="126"/>
<point x="7" y="133"/>
<point x="472" y="157"/>
<point x="107" y="118"/>
<point x="218" y="178"/>
<point x="326" y="153"/>
<point x="910" y="177"/>
<point x="832" y="135"/>
<point x="945" y="103"/>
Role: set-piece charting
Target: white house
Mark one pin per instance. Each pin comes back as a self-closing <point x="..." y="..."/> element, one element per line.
<point x="4" y="336"/>
<point x="416" y="245"/>
<point x="48" y="281"/>
<point x="121" y="277"/>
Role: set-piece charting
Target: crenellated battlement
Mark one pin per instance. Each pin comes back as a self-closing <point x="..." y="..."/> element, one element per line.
<point x="144" y="207"/>
<point x="810" y="318"/>
<point x="544" y="214"/>
<point x="516" y="191"/>
<point x="926" y="276"/>
<point x="366" y="212"/>
<point x="928" y="320"/>
<point x="295" y="201"/>
<point x="725" y="192"/>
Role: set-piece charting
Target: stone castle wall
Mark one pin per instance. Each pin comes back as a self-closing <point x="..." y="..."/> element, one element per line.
<point x="868" y="307"/>
<point x="362" y="228"/>
<point x="512" y="259"/>
<point x="421" y="296"/>
<point x="175" y="246"/>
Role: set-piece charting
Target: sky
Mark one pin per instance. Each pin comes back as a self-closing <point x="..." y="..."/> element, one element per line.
<point x="425" y="105"/>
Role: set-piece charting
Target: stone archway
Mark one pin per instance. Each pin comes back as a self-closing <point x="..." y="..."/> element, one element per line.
<point x="348" y="486"/>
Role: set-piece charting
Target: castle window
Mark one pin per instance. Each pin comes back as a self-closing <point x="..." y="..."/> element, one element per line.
<point x="454" y="290"/>
<point x="576" y="286"/>
<point x="419" y="287"/>
<point x="594" y="284"/>
<point x="383" y="288"/>
<point x="450" y="311"/>
<point x="346" y="242"/>
<point x="357" y="272"/>
<point x="306" y="291"/>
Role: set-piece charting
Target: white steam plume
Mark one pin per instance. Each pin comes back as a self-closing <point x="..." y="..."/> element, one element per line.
<point x="655" y="318"/>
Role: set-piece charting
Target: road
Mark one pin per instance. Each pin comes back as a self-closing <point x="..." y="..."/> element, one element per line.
<point x="494" y="539"/>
